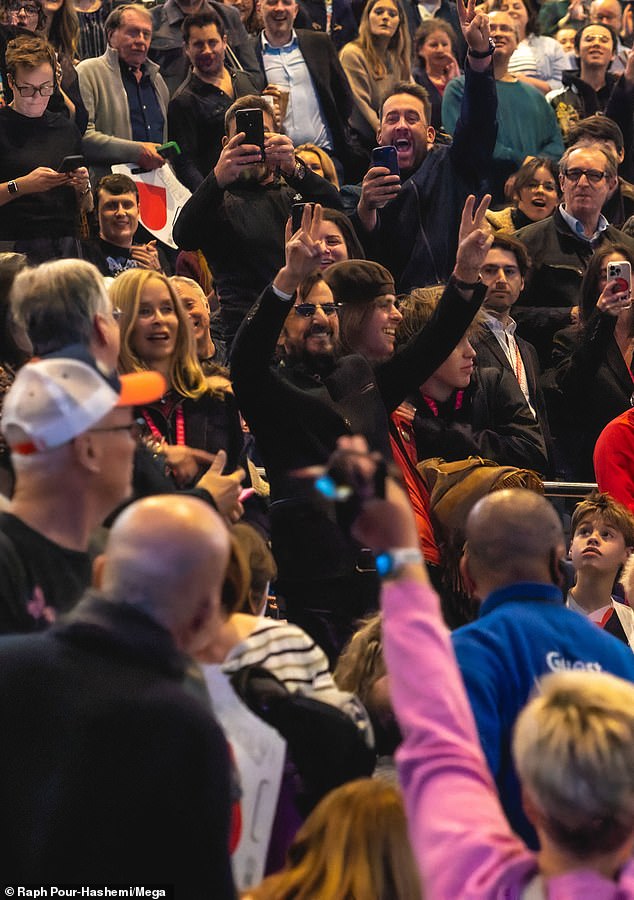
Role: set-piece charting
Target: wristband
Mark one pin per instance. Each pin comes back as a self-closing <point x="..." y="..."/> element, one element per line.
<point x="482" y="54"/>
<point x="390" y="563"/>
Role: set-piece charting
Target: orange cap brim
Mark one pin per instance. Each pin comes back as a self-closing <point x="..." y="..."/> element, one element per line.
<point x="141" y="387"/>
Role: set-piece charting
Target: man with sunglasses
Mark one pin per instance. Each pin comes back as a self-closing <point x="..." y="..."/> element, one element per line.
<point x="298" y="409"/>
<point x="39" y="205"/>
<point x="561" y="246"/>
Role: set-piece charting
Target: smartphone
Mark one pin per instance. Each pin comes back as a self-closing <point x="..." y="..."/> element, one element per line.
<point x="621" y="270"/>
<point x="169" y="151"/>
<point x="388" y="157"/>
<point x="251" y="121"/>
<point x="70" y="163"/>
<point x="296" y="216"/>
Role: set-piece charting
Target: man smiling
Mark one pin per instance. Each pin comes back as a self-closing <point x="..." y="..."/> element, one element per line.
<point x="410" y="223"/>
<point x="117" y="203"/>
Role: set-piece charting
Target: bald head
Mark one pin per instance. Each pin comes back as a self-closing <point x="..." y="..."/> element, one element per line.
<point x="167" y="555"/>
<point x="513" y="535"/>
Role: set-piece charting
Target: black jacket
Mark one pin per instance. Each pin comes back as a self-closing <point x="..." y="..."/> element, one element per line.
<point x="491" y="355"/>
<point x="559" y="259"/>
<point x="297" y="415"/>
<point x="493" y="421"/>
<point x="113" y="770"/>
<point x="595" y="384"/>
<point x="416" y="236"/>
<point x="334" y="94"/>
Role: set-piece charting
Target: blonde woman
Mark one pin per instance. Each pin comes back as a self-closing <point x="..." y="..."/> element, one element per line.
<point x="375" y="62"/>
<point x="156" y="334"/>
<point x="353" y="844"/>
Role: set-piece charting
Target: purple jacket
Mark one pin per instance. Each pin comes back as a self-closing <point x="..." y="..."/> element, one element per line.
<point x="460" y="836"/>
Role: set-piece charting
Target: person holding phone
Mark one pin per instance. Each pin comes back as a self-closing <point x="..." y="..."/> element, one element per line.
<point x="39" y="203"/>
<point x="593" y="359"/>
<point x="238" y="214"/>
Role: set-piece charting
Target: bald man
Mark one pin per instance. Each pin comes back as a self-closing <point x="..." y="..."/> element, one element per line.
<point x="523" y="630"/>
<point x="112" y="768"/>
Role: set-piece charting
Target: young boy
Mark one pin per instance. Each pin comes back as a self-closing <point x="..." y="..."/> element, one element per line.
<point x="602" y="540"/>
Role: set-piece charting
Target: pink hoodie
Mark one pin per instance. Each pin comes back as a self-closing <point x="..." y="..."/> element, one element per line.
<point x="461" y="839"/>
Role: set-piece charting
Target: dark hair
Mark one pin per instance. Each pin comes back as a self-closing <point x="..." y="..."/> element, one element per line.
<point x="116" y="184"/>
<point x="613" y="35"/>
<point x="526" y="173"/>
<point x="532" y="25"/>
<point x="589" y="291"/>
<point x="597" y="128"/>
<point x="512" y="245"/>
<point x="29" y="51"/>
<point x="345" y="226"/>
<point x="202" y="20"/>
<point x="308" y="284"/>
<point x="249" y="101"/>
<point x="427" y="28"/>
<point x="64" y="31"/>
<point x="414" y="90"/>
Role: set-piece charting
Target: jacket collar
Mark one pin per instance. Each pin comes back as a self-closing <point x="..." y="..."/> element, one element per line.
<point x="523" y="590"/>
<point x="111" y="59"/>
<point x="123" y="630"/>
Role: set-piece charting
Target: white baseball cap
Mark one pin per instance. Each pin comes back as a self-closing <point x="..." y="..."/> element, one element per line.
<point x="54" y="399"/>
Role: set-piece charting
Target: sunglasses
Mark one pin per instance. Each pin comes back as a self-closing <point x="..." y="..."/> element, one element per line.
<point x="308" y="310"/>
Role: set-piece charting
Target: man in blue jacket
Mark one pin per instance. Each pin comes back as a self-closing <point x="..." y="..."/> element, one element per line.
<point x="523" y="631"/>
<point x="410" y="223"/>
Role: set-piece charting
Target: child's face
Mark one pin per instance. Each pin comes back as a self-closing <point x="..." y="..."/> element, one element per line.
<point x="598" y="546"/>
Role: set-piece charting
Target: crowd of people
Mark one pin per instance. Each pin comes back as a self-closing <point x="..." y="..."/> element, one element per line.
<point x="284" y="613"/>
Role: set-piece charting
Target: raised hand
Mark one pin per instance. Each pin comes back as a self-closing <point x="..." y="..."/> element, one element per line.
<point x="474" y="239"/>
<point x="474" y="25"/>
<point x="303" y="251"/>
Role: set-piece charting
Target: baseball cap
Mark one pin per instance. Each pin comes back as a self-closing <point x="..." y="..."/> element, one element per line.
<point x="54" y="399"/>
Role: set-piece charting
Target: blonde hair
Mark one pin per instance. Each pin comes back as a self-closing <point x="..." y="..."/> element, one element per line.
<point x="574" y="751"/>
<point x="327" y="165"/>
<point x="399" y="50"/>
<point x="362" y="662"/>
<point x="185" y="373"/>
<point x="353" y="844"/>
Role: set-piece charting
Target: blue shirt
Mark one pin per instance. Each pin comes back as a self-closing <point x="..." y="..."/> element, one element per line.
<point x="577" y="228"/>
<point x="304" y="121"/>
<point x="146" y="116"/>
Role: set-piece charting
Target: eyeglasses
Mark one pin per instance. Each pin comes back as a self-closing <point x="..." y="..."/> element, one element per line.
<point x="30" y="90"/>
<point x="593" y="175"/>
<point x="134" y="428"/>
<point x="29" y="8"/>
<point x="308" y="310"/>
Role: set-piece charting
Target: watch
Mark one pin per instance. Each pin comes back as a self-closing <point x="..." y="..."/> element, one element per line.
<point x="12" y="187"/>
<point x="300" y="170"/>
<point x="390" y="562"/>
<point x="482" y="54"/>
<point x="464" y="285"/>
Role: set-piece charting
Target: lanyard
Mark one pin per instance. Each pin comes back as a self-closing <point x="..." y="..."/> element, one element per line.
<point x="431" y="403"/>
<point x="180" y="427"/>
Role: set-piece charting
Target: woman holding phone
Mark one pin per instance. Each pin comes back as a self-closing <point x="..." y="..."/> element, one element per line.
<point x="593" y="360"/>
<point x="39" y="203"/>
